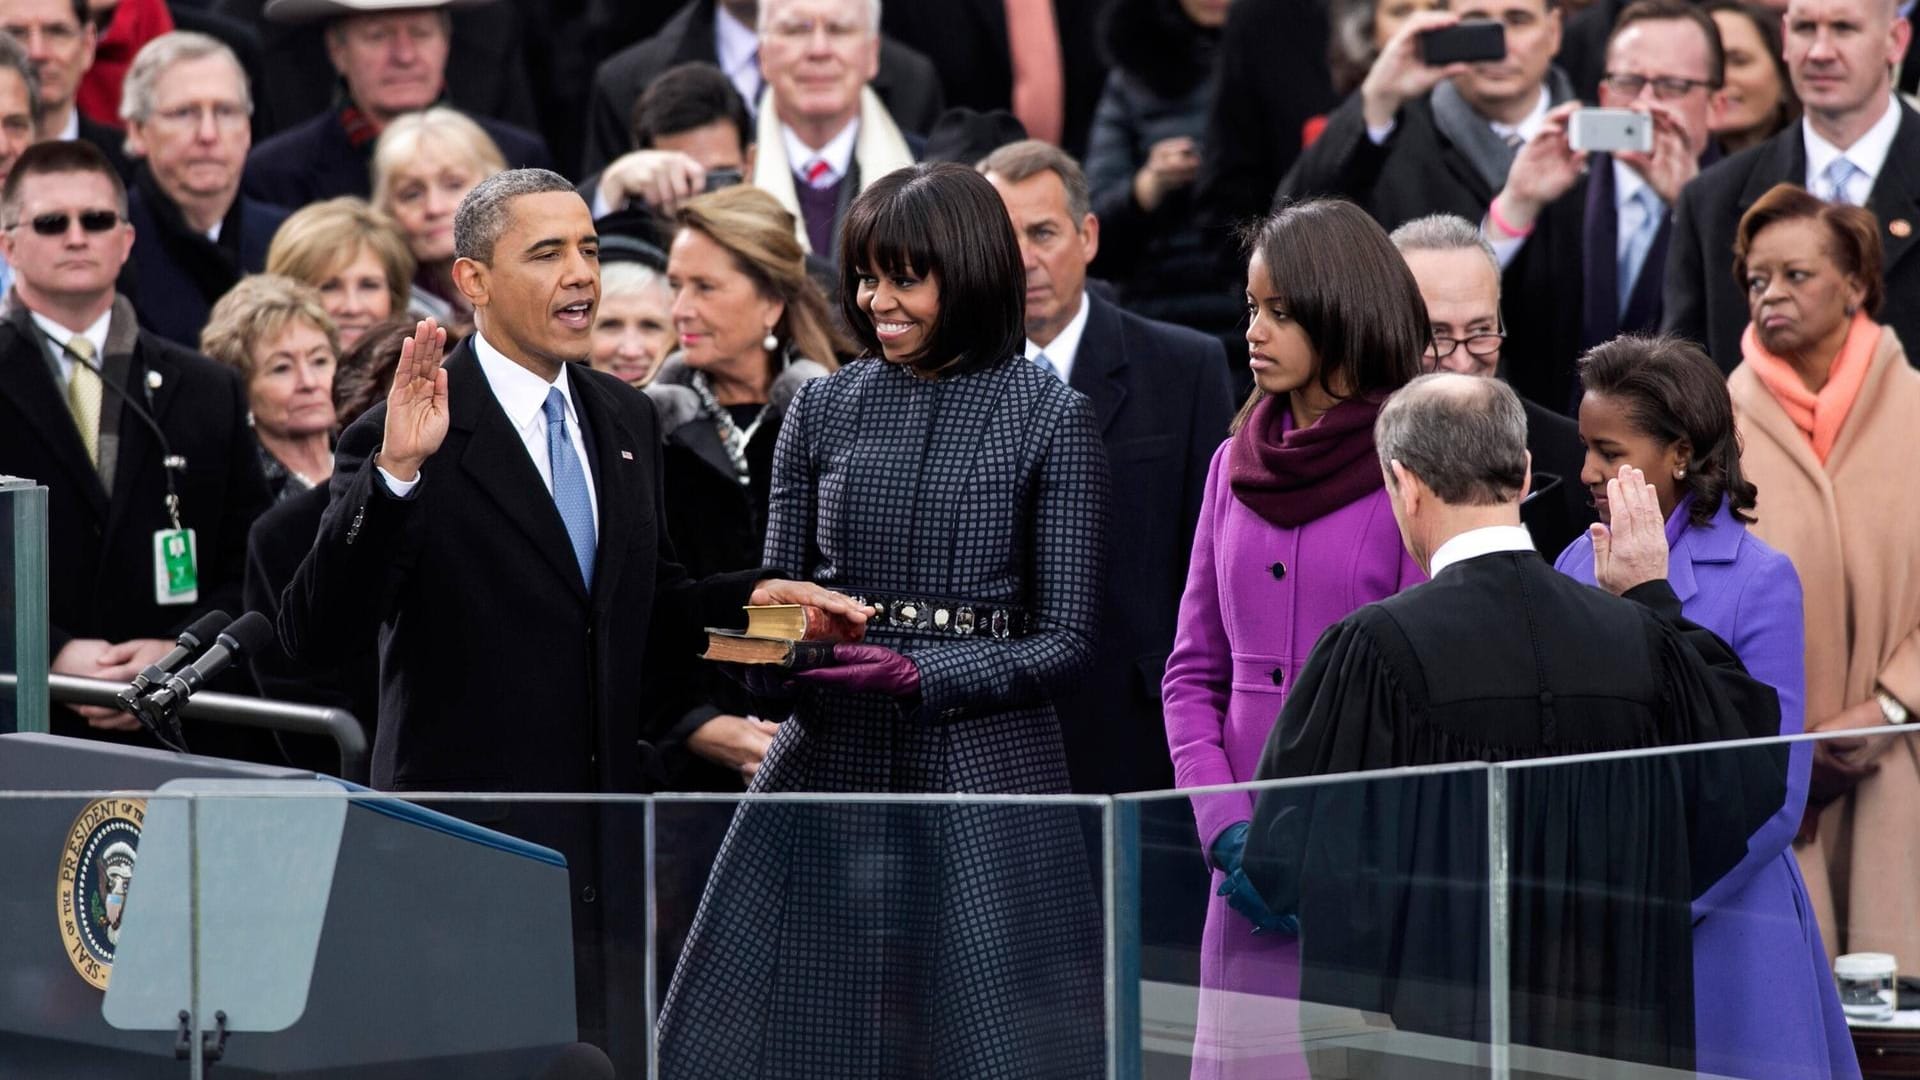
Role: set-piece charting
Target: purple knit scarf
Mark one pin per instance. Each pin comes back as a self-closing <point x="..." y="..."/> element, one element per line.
<point x="1292" y="476"/>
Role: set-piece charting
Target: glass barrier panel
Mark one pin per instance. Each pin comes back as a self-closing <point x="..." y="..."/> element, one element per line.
<point x="23" y="605"/>
<point x="1348" y="935"/>
<point x="78" y="934"/>
<point x="839" y="935"/>
<point x="1684" y="908"/>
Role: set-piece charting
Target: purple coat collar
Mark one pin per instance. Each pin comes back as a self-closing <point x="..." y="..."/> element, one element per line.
<point x="1718" y="541"/>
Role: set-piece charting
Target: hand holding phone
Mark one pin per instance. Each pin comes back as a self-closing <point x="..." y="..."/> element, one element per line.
<point x="1610" y="131"/>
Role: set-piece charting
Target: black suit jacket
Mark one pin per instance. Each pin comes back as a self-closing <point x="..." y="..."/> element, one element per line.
<point x="1703" y="301"/>
<point x="314" y="160"/>
<point x="1159" y="393"/>
<point x="1416" y="172"/>
<point x="1561" y="292"/>
<point x="1557" y="511"/>
<point x="171" y="302"/>
<point x="499" y="670"/>
<point x="907" y="83"/>
<point x="100" y="546"/>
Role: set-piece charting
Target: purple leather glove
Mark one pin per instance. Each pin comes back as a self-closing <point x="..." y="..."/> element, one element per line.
<point x="865" y="669"/>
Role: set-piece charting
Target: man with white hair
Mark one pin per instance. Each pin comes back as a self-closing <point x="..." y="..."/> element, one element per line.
<point x="188" y="112"/>
<point x="822" y="133"/>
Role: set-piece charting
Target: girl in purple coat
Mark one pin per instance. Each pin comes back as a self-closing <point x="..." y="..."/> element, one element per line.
<point x="1295" y="532"/>
<point x="1764" y="1005"/>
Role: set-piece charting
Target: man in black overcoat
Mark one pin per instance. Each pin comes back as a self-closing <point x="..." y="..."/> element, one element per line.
<point x="1841" y="56"/>
<point x="86" y="439"/>
<point x="328" y="154"/>
<point x="1159" y="394"/>
<point x="1500" y="658"/>
<point x="907" y="83"/>
<point x="1589" y="261"/>
<point x="1416" y="139"/>
<point x="497" y="523"/>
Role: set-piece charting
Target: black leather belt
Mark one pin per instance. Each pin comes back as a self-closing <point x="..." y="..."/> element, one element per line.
<point x="947" y="617"/>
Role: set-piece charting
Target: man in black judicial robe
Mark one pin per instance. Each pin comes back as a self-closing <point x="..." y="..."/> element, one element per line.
<point x="1499" y="658"/>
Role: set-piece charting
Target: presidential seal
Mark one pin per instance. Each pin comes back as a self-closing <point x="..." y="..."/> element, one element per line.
<point x="96" y="868"/>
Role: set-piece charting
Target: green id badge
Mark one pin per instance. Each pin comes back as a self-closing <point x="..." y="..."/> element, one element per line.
<point x="176" y="573"/>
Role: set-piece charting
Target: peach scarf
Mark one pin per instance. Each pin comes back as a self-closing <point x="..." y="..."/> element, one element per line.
<point x="1818" y="416"/>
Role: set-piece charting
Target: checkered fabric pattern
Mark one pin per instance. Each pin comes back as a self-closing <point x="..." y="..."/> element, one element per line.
<point x="910" y="941"/>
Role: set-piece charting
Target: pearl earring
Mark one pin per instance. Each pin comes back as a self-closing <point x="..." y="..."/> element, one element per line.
<point x="770" y="343"/>
<point x="1679" y="474"/>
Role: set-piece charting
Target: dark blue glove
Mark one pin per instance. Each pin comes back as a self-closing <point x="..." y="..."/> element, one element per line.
<point x="1229" y="850"/>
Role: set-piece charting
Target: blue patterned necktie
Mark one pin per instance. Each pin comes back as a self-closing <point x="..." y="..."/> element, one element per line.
<point x="1633" y="253"/>
<point x="569" y="485"/>
<point x="1838" y="174"/>
<point x="1045" y="363"/>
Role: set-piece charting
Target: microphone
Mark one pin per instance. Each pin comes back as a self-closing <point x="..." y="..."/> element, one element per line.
<point x="191" y="640"/>
<point x="248" y="634"/>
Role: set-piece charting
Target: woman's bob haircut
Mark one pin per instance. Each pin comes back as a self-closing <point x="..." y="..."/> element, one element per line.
<point x="943" y="222"/>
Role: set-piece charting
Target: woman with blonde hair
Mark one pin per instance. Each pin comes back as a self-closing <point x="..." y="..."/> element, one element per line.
<point x="753" y="328"/>
<point x="633" y="325"/>
<point x="423" y="165"/>
<point x="276" y="333"/>
<point x="353" y="254"/>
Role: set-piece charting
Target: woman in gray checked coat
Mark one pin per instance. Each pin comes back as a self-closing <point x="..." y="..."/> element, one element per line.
<point x="962" y="491"/>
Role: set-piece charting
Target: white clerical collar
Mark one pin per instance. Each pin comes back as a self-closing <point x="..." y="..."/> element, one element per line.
<point x="1868" y="153"/>
<point x="838" y="153"/>
<point x="521" y="393"/>
<point x="1477" y="542"/>
<point x="1530" y="126"/>
<point x="737" y="48"/>
<point x="1066" y="344"/>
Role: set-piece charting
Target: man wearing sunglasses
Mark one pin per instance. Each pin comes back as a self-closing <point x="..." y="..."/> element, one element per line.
<point x="1459" y="280"/>
<point x="1573" y="228"/>
<point x="82" y="388"/>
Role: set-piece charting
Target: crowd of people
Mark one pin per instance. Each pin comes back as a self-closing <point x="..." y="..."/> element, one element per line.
<point x="533" y="339"/>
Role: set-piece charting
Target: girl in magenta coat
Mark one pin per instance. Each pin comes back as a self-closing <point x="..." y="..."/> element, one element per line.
<point x="1295" y="533"/>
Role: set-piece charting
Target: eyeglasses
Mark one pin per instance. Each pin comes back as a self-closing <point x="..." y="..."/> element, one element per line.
<point x="1666" y="87"/>
<point x="1480" y="345"/>
<point x="226" y="114"/>
<point x="93" y="221"/>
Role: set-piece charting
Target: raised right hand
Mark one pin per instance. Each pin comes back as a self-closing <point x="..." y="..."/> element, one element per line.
<point x="1546" y="168"/>
<point x="1399" y="75"/>
<point x="417" y="404"/>
<point x="1632" y="549"/>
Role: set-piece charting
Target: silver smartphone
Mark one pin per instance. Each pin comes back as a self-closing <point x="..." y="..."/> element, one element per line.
<point x="1610" y="131"/>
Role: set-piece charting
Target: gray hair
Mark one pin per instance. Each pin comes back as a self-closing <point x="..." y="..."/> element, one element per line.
<point x="484" y="214"/>
<point x="620" y="278"/>
<point x="14" y="55"/>
<point x="156" y="57"/>
<point x="1028" y="158"/>
<point x="873" y="16"/>
<point x="1444" y="232"/>
<point x="1464" y="437"/>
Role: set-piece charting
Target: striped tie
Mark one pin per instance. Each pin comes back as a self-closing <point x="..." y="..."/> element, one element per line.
<point x="817" y="174"/>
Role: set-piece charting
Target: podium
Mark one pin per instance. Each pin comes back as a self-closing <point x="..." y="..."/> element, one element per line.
<point x="325" y="936"/>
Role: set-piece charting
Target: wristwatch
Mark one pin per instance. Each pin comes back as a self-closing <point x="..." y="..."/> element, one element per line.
<point x="1890" y="707"/>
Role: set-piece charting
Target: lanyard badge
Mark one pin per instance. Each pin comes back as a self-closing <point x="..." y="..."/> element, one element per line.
<point x="176" y="573"/>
